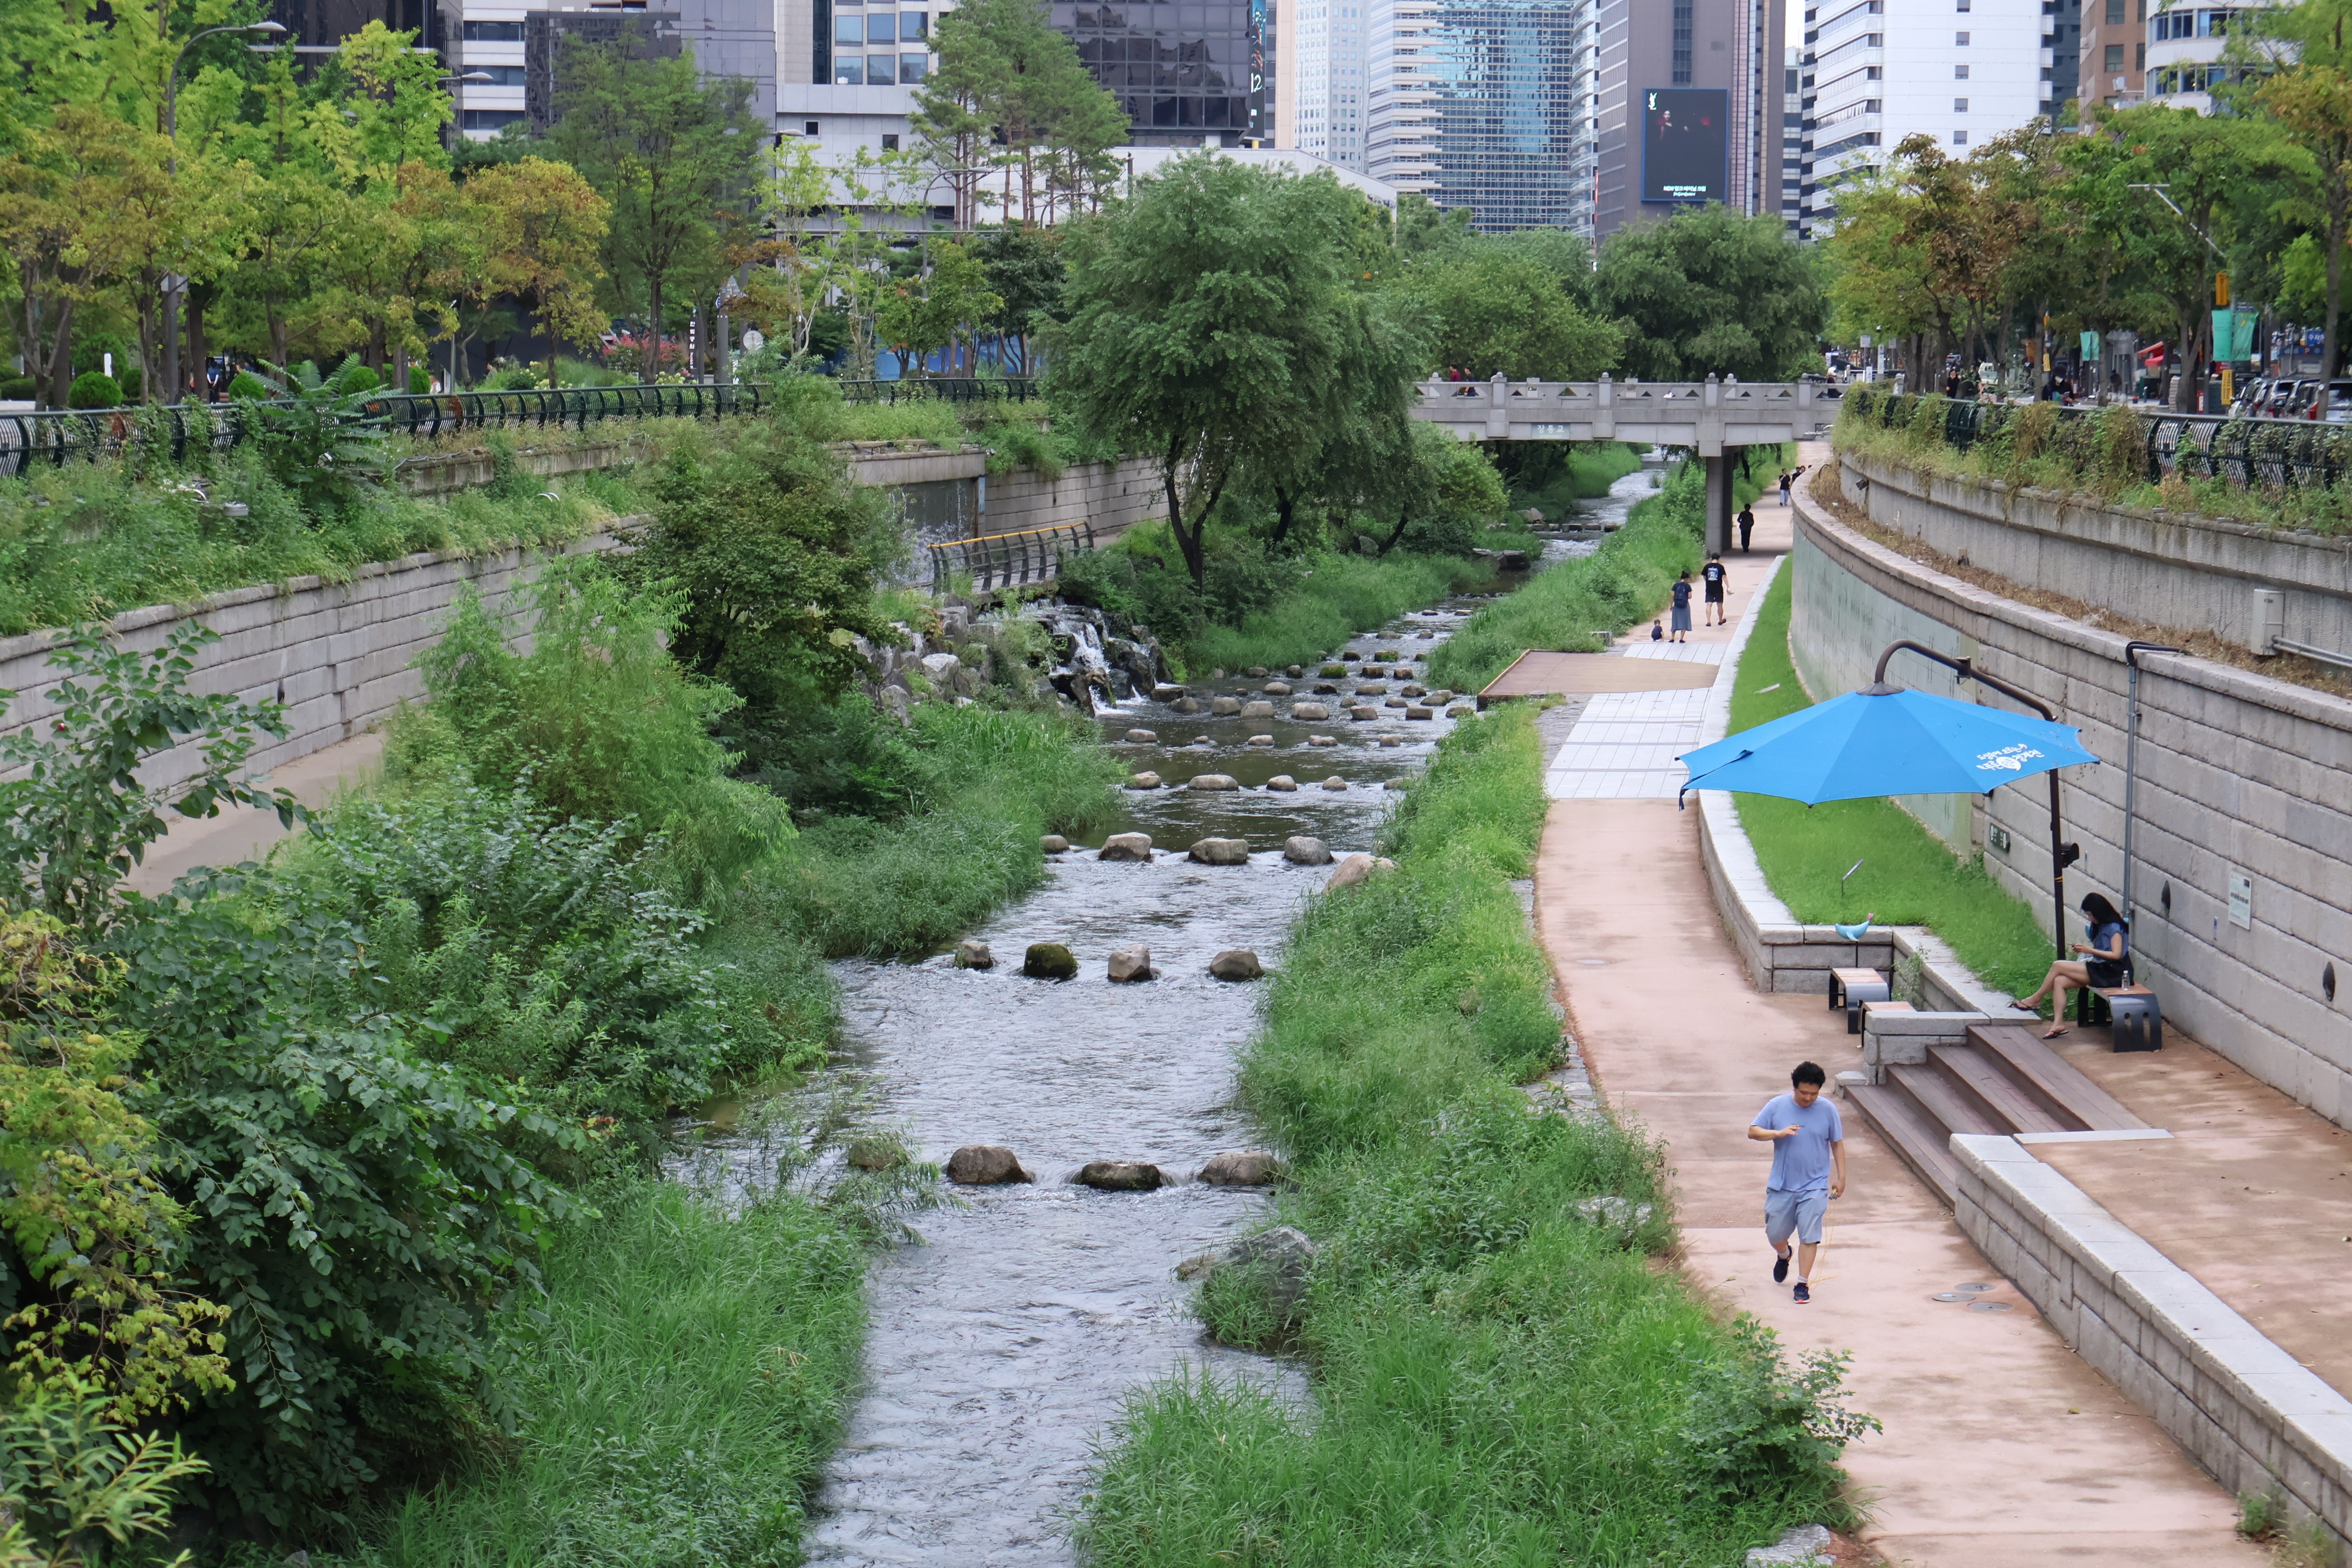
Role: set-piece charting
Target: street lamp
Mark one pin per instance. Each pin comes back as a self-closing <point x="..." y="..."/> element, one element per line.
<point x="172" y="281"/>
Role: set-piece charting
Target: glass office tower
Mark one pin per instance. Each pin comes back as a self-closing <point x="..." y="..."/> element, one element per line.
<point x="1492" y="102"/>
<point x="1183" y="72"/>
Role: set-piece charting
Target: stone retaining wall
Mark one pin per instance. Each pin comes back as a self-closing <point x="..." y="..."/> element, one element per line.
<point x="2246" y="1410"/>
<point x="341" y="655"/>
<point x="2166" y="568"/>
<point x="1113" y="496"/>
<point x="2240" y="776"/>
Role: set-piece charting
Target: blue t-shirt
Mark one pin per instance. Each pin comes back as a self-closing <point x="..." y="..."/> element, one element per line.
<point x="2104" y="937"/>
<point x="1801" y="1164"/>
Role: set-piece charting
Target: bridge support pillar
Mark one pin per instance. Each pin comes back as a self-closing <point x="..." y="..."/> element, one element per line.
<point x="1720" y="509"/>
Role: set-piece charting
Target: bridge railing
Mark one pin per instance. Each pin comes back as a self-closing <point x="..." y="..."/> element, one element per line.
<point x="1020" y="559"/>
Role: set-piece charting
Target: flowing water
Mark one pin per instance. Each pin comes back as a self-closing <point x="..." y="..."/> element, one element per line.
<point x="1000" y="1348"/>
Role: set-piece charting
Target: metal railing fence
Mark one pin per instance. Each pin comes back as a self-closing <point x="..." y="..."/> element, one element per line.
<point x="2252" y="453"/>
<point x="56" y="435"/>
<point x="944" y="389"/>
<point x="1008" y="560"/>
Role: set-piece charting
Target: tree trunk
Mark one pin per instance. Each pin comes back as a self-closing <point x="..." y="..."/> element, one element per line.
<point x="2339" y="200"/>
<point x="653" y="329"/>
<point x="1286" y="506"/>
<point x="61" y="356"/>
<point x="1404" y="513"/>
<point x="197" y="355"/>
<point x="1189" y="542"/>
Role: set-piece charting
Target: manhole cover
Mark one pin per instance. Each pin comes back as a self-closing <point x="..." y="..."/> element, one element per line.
<point x="1988" y="1306"/>
<point x="1951" y="1296"/>
<point x="1971" y="1286"/>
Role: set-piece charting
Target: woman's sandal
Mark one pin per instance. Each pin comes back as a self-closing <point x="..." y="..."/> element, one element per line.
<point x="2032" y="1007"/>
<point x="2053" y="1034"/>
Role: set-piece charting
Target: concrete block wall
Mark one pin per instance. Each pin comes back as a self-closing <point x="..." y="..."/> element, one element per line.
<point x="2246" y="1410"/>
<point x="2239" y="775"/>
<point x="1113" y="496"/>
<point x="1901" y="1039"/>
<point x="340" y="656"/>
<point x="2170" y="569"/>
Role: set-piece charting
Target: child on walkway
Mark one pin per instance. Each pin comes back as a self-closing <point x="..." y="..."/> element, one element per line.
<point x="1682" y="624"/>
<point x="1808" y="1138"/>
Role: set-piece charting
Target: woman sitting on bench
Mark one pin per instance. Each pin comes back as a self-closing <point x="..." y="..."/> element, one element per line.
<point x="2101" y="967"/>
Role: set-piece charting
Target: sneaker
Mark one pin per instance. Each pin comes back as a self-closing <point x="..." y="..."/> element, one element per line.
<point x="1780" y="1269"/>
<point x="1804" y="1293"/>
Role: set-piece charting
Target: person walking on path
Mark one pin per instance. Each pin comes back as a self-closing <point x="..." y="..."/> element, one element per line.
<point x="1787" y="480"/>
<point x="1682" y="624"/>
<point x="1808" y="1138"/>
<point x="2101" y="967"/>
<point x="1747" y="525"/>
<point x="1717" y="582"/>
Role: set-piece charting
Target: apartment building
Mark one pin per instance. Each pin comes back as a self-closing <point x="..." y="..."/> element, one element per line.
<point x="1960" y="71"/>
<point x="2185" y="45"/>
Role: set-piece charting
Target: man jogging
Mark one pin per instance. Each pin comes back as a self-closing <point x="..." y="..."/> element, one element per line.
<point x="1808" y="1138"/>
<point x="1716" y="580"/>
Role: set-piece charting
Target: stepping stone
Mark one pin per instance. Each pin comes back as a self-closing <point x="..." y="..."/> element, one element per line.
<point x="1145" y="780"/>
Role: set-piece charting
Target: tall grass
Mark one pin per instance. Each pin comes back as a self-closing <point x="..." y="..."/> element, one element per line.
<point x="1907" y="876"/>
<point x="1338" y="596"/>
<point x="1496" y="1381"/>
<point x="1578" y="607"/>
<point x="1001" y="779"/>
<point x="678" y="1404"/>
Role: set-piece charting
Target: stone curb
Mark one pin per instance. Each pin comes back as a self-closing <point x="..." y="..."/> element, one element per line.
<point x="2255" y="1418"/>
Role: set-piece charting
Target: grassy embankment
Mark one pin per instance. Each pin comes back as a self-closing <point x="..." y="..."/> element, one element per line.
<point x="1583" y="472"/>
<point x="1496" y="1380"/>
<point x="1340" y="596"/>
<point x="1907" y="876"/>
<point x="1580" y="605"/>
<point x="681" y="1397"/>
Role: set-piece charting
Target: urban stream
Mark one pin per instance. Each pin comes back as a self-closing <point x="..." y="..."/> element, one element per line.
<point x="1000" y="1348"/>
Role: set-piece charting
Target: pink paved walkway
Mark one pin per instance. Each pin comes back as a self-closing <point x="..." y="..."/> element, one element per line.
<point x="2001" y="1450"/>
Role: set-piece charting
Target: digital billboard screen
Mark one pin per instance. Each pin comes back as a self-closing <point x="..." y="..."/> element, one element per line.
<point x="1685" y="144"/>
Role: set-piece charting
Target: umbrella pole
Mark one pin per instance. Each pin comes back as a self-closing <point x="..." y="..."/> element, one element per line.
<point x="2062" y="854"/>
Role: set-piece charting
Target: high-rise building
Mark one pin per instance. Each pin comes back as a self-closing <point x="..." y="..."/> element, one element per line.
<point x="318" y="26"/>
<point x="2062" y="61"/>
<point x="1959" y="71"/>
<point x="1690" y="108"/>
<point x="2184" y="46"/>
<point x="1793" y="139"/>
<point x="518" y="45"/>
<point x="1185" y="73"/>
<point x="2111" y="53"/>
<point x="1329" y="80"/>
<point x="1484" y="104"/>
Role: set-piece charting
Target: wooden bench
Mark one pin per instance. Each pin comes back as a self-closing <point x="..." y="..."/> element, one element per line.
<point x="1849" y="988"/>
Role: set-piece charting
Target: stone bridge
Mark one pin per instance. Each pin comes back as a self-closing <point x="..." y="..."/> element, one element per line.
<point x="1715" y="418"/>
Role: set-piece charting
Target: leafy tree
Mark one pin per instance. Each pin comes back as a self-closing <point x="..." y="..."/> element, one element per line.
<point x="78" y="1487"/>
<point x="77" y="817"/>
<point x="2311" y="99"/>
<point x="1211" y="324"/>
<point x="1024" y="270"/>
<point x="1008" y="80"/>
<point x="674" y="155"/>
<point x="541" y="225"/>
<point x="1710" y="292"/>
<point x="938" y="307"/>
<point x="1493" y="312"/>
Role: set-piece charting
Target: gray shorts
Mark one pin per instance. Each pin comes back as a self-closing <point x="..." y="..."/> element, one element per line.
<point x="1800" y="1211"/>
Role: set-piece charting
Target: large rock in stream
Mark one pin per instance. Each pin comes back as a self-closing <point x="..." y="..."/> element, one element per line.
<point x="1129" y="963"/>
<point x="1356" y="869"/>
<point x="1245" y="1168"/>
<point x="1236" y="964"/>
<point x="1125" y="846"/>
<point x="972" y="953"/>
<point x="1285" y="1253"/>
<point x="985" y="1165"/>
<point x="1305" y="851"/>
<point x="1119" y="1177"/>
<point x="1049" y="961"/>
<point x="1220" y="852"/>
<point x="1214" y="782"/>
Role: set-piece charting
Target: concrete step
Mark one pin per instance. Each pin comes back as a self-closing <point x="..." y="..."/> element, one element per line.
<point x="1917" y="1142"/>
<point x="2078" y="1104"/>
<point x="1980" y="1083"/>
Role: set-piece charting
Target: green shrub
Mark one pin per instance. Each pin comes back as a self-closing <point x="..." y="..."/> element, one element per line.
<point x="246" y="384"/>
<point x="363" y="1212"/>
<point x="18" y="388"/>
<point x="94" y="389"/>
<point x="599" y="720"/>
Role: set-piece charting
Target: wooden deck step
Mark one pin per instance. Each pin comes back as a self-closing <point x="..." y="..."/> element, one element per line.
<point x="1992" y="1092"/>
<point x="1940" y="1100"/>
<point x="2054" y="1083"/>
<point x="1924" y="1147"/>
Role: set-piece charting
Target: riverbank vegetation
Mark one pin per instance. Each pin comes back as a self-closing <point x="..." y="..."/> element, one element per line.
<point x="1501" y="1372"/>
<point x="1580" y="605"/>
<point x="1907" y="876"/>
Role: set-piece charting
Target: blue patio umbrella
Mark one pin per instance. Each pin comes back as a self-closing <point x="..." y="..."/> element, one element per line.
<point x="1891" y="742"/>
<point x="1884" y="740"/>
